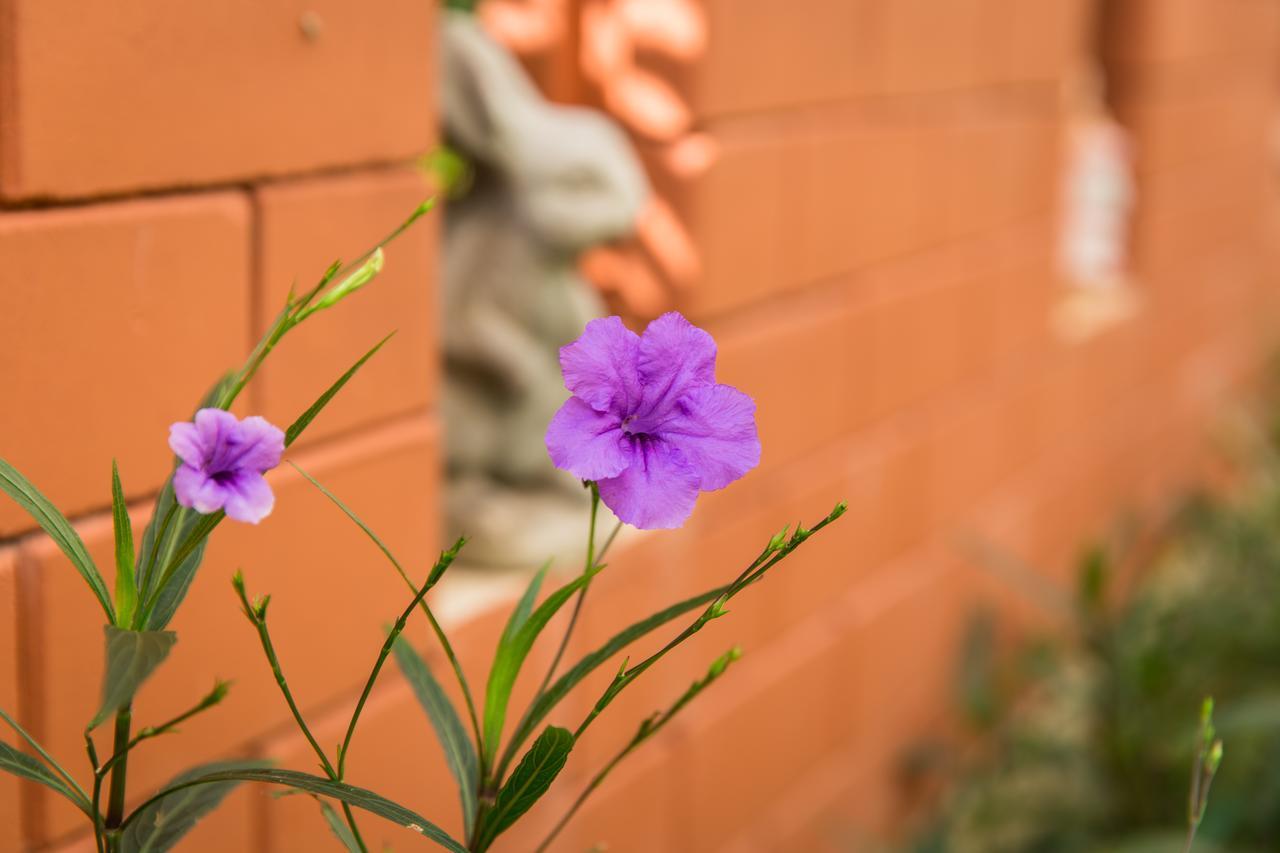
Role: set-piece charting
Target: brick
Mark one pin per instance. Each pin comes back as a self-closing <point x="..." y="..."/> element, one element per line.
<point x="1170" y="31"/>
<point x="864" y="196"/>
<point x="740" y="213"/>
<point x="305" y="226"/>
<point x="608" y="821"/>
<point x="896" y="648"/>
<point x="757" y="59"/>
<point x="196" y="95"/>
<point x="1021" y="42"/>
<point x="10" y="838"/>
<point x="794" y="363"/>
<point x="741" y="741"/>
<point x="99" y="293"/>
<point x="930" y="46"/>
<point x="384" y="476"/>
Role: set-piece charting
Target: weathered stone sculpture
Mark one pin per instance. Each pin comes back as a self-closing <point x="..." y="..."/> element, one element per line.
<point x="550" y="182"/>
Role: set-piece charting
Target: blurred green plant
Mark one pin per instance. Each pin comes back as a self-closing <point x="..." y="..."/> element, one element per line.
<point x="1085" y="739"/>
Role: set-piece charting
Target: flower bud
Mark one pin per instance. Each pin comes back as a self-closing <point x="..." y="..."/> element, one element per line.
<point x="364" y="274"/>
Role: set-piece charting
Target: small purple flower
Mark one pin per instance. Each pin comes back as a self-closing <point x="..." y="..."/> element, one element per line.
<point x="647" y="420"/>
<point x="223" y="463"/>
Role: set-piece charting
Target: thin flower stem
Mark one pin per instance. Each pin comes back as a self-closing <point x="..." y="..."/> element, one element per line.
<point x="774" y="553"/>
<point x="426" y="608"/>
<point x="258" y="616"/>
<point x="119" y="775"/>
<point x="588" y="566"/>
<point x="392" y="636"/>
<point x="98" y="828"/>
<point x="582" y="798"/>
<point x="164" y="728"/>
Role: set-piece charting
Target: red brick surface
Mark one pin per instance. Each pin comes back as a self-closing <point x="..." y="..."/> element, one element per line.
<point x="305" y="226"/>
<point x="876" y="237"/>
<point x="176" y="95"/>
<point x="10" y="828"/>
<point x="93" y="299"/>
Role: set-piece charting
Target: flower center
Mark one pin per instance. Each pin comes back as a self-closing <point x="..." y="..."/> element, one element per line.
<point x="628" y="431"/>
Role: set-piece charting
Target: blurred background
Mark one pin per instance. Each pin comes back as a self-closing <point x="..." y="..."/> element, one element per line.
<point x="1000" y="273"/>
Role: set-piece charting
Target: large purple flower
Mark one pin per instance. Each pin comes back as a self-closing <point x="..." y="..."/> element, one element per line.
<point x="647" y="420"/>
<point x="223" y="463"/>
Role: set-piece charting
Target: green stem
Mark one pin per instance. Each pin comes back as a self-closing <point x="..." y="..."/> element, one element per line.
<point x="149" y="732"/>
<point x="264" y="637"/>
<point x="258" y="616"/>
<point x="392" y="636"/>
<point x="587" y="567"/>
<point x="98" y="828"/>
<point x="119" y="775"/>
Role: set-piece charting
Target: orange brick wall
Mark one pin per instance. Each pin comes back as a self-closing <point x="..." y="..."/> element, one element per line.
<point x="876" y="238"/>
<point x="166" y="174"/>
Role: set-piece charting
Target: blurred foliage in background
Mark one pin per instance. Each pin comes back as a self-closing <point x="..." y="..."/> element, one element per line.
<point x="1085" y="740"/>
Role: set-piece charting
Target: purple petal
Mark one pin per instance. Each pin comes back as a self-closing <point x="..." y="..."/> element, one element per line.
<point x="215" y="427"/>
<point x="658" y="490"/>
<point x="184" y="440"/>
<point x="258" y="444"/>
<point x="249" y="498"/>
<point x="587" y="443"/>
<point x="715" y="430"/>
<point x="675" y="357"/>
<point x="196" y="491"/>
<point x="600" y="366"/>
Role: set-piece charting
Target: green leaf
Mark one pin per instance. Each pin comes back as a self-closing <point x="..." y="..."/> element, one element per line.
<point x="126" y="590"/>
<point x="131" y="658"/>
<point x="350" y="794"/>
<point x="544" y="704"/>
<point x="163" y="821"/>
<point x="59" y="529"/>
<point x="512" y="651"/>
<point x="297" y="427"/>
<point x="339" y="826"/>
<point x="154" y="557"/>
<point x="21" y="764"/>
<point x="531" y="779"/>
<point x="459" y="752"/>
<point x="524" y="606"/>
<point x="179" y="562"/>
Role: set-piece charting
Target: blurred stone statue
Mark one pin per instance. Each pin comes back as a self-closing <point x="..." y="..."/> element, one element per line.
<point x="550" y="182"/>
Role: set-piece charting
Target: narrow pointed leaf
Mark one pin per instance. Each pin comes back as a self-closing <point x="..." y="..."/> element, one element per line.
<point x="459" y="752"/>
<point x="27" y="767"/>
<point x="349" y="794"/>
<point x="530" y="780"/>
<point x="524" y="606"/>
<point x="59" y="529"/>
<point x="67" y="779"/>
<point x="126" y="590"/>
<point x="297" y="427"/>
<point x="185" y="554"/>
<point x="544" y="704"/>
<point x="131" y="658"/>
<point x="161" y="823"/>
<point x="338" y="826"/>
<point x="511" y="655"/>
